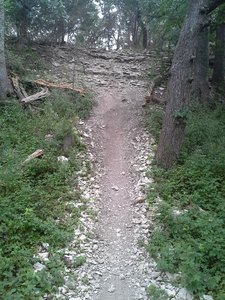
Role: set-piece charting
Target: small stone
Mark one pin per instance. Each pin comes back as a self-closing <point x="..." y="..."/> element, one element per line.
<point x="206" y="297"/>
<point x="62" y="159"/>
<point x="55" y="64"/>
<point x="68" y="261"/>
<point x="45" y="246"/>
<point x="111" y="289"/>
<point x="95" y="247"/>
<point x="115" y="188"/>
<point x="122" y="277"/>
<point x="86" y="135"/>
<point x="97" y="286"/>
<point x="83" y="237"/>
<point x="136" y="221"/>
<point x="39" y="267"/>
<point x="98" y="273"/>
<point x="49" y="137"/>
<point x="101" y="261"/>
<point x="43" y="255"/>
<point x="183" y="294"/>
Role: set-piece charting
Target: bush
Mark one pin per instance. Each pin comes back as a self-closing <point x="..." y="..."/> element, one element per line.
<point x="191" y="232"/>
<point x="34" y="196"/>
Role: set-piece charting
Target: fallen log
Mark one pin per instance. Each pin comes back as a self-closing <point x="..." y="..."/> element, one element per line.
<point x="34" y="97"/>
<point x="38" y="153"/>
<point x="66" y="86"/>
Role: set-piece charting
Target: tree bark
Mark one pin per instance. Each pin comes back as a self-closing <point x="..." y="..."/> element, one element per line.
<point x="4" y="84"/>
<point x="144" y="35"/>
<point x="188" y="80"/>
<point x="219" y="62"/>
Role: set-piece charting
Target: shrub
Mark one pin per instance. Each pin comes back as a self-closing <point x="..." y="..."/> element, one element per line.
<point x="191" y="232"/>
<point x="34" y="196"/>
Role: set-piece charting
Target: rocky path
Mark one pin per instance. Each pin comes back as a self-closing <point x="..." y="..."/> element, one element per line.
<point x="117" y="266"/>
<point x="119" y="250"/>
<point x="117" y="128"/>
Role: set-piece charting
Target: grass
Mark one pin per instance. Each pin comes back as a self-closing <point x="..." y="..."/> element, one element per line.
<point x="190" y="236"/>
<point x="155" y="293"/>
<point x="35" y="196"/>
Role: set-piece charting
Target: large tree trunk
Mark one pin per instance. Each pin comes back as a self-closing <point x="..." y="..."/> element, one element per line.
<point x="219" y="62"/>
<point x="4" y="84"/>
<point x="188" y="80"/>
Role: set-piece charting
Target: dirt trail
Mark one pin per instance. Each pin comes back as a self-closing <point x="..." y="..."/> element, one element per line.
<point x="116" y="123"/>
<point x="117" y="266"/>
<point x="120" y="122"/>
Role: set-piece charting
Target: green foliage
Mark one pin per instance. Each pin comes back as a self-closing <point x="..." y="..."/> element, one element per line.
<point x="79" y="261"/>
<point x="17" y="58"/>
<point x="191" y="232"/>
<point x="154" y="116"/>
<point x="70" y="105"/>
<point x="155" y="293"/>
<point x="166" y="18"/>
<point x="35" y="196"/>
<point x="29" y="20"/>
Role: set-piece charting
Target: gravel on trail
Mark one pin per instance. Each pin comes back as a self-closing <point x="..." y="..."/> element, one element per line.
<point x="120" y="150"/>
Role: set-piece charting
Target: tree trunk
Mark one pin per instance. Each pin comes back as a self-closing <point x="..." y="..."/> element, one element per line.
<point x="22" y="26"/>
<point x="62" y="31"/>
<point x="144" y="35"/>
<point x="136" y="28"/>
<point x="219" y="62"/>
<point x="188" y="80"/>
<point x="4" y="84"/>
<point x="135" y="34"/>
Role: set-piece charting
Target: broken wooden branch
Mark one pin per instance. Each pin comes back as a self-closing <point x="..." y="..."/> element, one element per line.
<point x="17" y="87"/>
<point x="21" y="93"/>
<point x="66" y="86"/>
<point x="42" y="94"/>
<point x="37" y="154"/>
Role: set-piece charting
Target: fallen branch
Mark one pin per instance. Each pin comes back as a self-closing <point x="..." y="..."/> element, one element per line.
<point x="38" y="153"/>
<point x="17" y="87"/>
<point x="37" y="96"/>
<point x="66" y="86"/>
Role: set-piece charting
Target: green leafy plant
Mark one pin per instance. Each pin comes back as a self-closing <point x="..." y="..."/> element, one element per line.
<point x="190" y="235"/>
<point x="36" y="196"/>
<point x="155" y="293"/>
<point x="79" y="261"/>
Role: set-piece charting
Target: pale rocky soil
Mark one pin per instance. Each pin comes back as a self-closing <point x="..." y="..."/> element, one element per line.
<point x="120" y="151"/>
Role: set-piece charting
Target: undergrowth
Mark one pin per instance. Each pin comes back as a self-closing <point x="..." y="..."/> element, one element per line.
<point x="190" y="238"/>
<point x="35" y="196"/>
<point x="24" y="61"/>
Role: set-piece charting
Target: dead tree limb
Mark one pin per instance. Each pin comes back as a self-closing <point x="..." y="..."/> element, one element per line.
<point x="37" y="154"/>
<point x="17" y="87"/>
<point x="66" y="86"/>
<point x="42" y="94"/>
